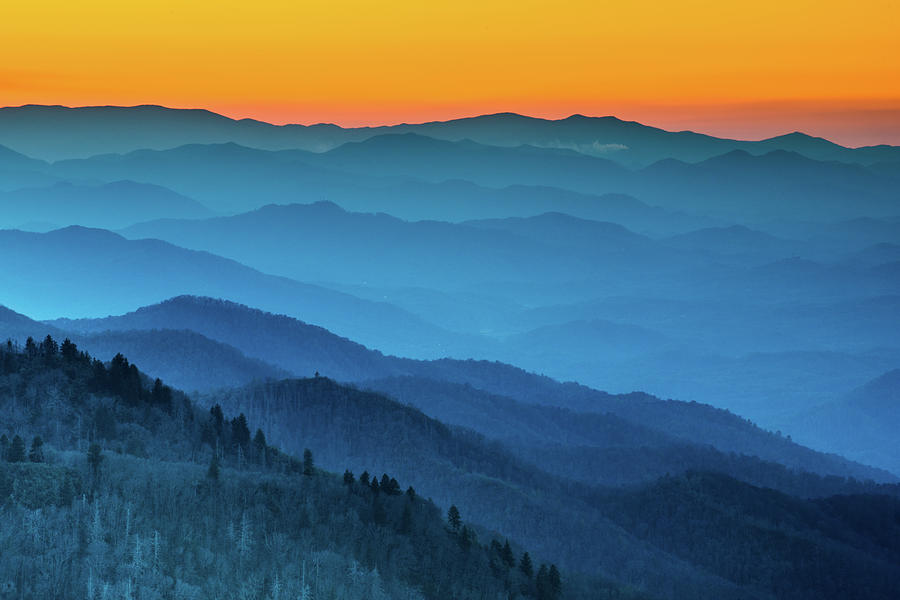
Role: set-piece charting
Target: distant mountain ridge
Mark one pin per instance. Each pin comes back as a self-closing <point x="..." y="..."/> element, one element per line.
<point x="303" y="349"/>
<point x="109" y="205"/>
<point x="68" y="271"/>
<point x="873" y="407"/>
<point x="37" y="131"/>
<point x="733" y="187"/>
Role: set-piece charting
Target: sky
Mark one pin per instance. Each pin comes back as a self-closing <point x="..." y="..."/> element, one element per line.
<point x="747" y="69"/>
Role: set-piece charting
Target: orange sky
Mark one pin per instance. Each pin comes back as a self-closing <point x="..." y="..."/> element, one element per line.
<point x="743" y="68"/>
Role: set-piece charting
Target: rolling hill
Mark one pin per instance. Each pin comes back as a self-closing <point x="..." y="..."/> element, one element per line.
<point x="68" y="271"/>
<point x="303" y="349"/>
<point x="107" y="206"/>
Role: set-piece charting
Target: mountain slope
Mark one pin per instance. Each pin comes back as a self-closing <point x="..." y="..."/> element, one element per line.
<point x="348" y="425"/>
<point x="253" y="487"/>
<point x="131" y="490"/>
<point x="302" y="349"/>
<point x="772" y="186"/>
<point x="873" y="408"/>
<point x="111" y="205"/>
<point x="68" y="272"/>
<point x="322" y="242"/>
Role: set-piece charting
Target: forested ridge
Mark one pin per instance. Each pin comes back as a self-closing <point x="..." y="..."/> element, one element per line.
<point x="459" y="392"/>
<point x="532" y="496"/>
<point x="113" y="485"/>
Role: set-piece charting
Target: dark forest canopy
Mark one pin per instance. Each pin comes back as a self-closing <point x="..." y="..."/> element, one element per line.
<point x="162" y="494"/>
<point x="129" y="487"/>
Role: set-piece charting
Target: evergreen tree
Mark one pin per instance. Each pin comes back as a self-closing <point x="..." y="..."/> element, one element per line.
<point x="453" y="518"/>
<point x="507" y="555"/>
<point x="161" y="395"/>
<point x="348" y="477"/>
<point x="49" y="349"/>
<point x="259" y="440"/>
<point x="364" y="479"/>
<point x="240" y="433"/>
<point x="411" y="493"/>
<point x="308" y="466"/>
<point x="525" y="565"/>
<point x="99" y="376"/>
<point x="4" y="447"/>
<point x="16" y="450"/>
<point x="36" y="454"/>
<point x="69" y="350"/>
<point x="542" y="584"/>
<point x="259" y="444"/>
<point x="555" y="581"/>
<point x="217" y="418"/>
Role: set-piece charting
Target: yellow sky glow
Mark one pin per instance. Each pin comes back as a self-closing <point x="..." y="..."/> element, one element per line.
<point x="742" y="64"/>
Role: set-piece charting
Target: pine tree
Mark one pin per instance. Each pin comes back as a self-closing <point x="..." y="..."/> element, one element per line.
<point x="542" y="584"/>
<point x="240" y="433"/>
<point x="555" y="581"/>
<point x="68" y="350"/>
<point x="507" y="555"/>
<point x="453" y="518"/>
<point x="308" y="466"/>
<point x="348" y="477"/>
<point x="217" y="419"/>
<point x="16" y="450"/>
<point x="161" y="395"/>
<point x="49" y="348"/>
<point x="525" y="565"/>
<point x="36" y="454"/>
<point x="259" y="443"/>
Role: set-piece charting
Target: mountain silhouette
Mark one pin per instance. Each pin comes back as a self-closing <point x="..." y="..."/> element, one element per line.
<point x="57" y="132"/>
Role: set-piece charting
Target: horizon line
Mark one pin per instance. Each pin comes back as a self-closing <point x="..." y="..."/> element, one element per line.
<point x="428" y="122"/>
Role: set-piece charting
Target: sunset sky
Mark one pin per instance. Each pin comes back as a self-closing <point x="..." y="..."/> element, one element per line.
<point x="748" y="69"/>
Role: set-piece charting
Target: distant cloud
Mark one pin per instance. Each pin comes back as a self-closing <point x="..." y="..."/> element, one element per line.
<point x="594" y="148"/>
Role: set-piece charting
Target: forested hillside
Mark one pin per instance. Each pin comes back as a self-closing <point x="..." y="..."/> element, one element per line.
<point x="115" y="486"/>
<point x="531" y="493"/>
<point x="468" y="393"/>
